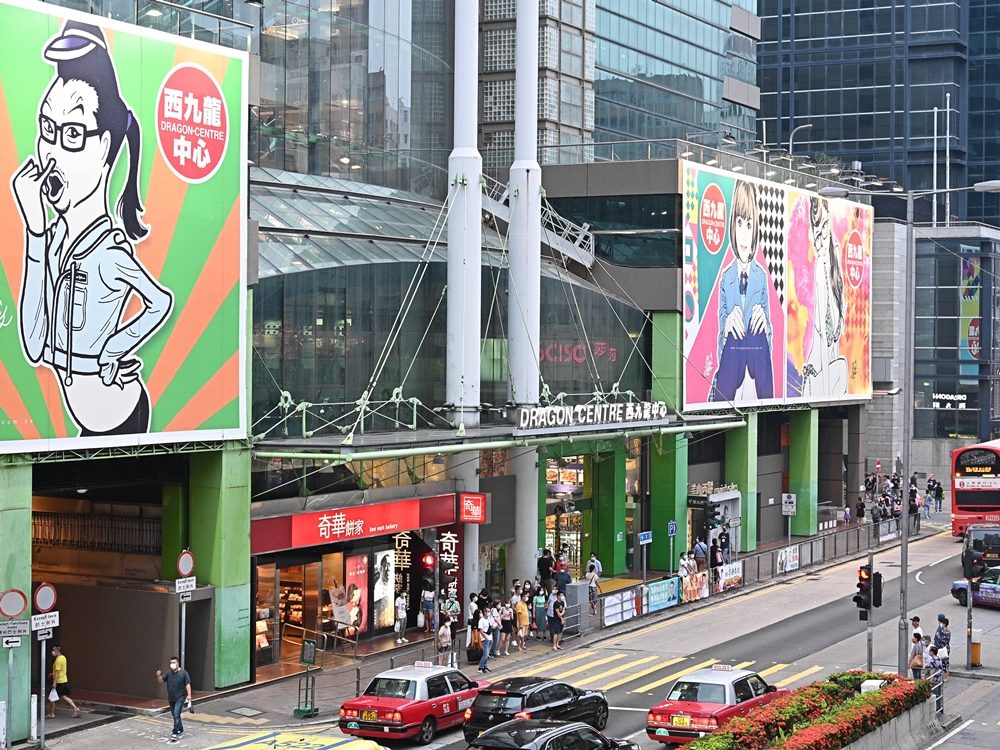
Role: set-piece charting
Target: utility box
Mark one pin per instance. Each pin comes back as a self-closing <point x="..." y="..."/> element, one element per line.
<point x="870" y="686"/>
<point x="977" y="647"/>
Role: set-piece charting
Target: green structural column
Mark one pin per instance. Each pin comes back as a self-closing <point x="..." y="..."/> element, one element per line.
<point x="608" y="525"/>
<point x="668" y="461"/>
<point x="741" y="470"/>
<point x="175" y="529"/>
<point x="220" y="541"/>
<point x="15" y="573"/>
<point x="668" y="454"/>
<point x="803" y="470"/>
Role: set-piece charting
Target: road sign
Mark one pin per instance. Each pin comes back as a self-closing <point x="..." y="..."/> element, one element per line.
<point x="308" y="655"/>
<point x="186" y="596"/>
<point x="672" y="528"/>
<point x="12" y="641"/>
<point x="45" y="597"/>
<point x="788" y="505"/>
<point x="735" y="522"/>
<point x="15" y="627"/>
<point x="185" y="584"/>
<point x="44" y="635"/>
<point x="46" y="620"/>
<point x="878" y="467"/>
<point x="645" y="537"/>
<point x="185" y="563"/>
<point x="12" y="603"/>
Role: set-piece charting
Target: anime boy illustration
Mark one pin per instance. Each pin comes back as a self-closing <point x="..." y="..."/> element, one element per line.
<point x="825" y="371"/>
<point x="744" y="308"/>
<point x="80" y="267"/>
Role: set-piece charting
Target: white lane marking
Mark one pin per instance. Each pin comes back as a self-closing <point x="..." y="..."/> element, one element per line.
<point x="950" y="734"/>
<point x="949" y="557"/>
<point x="917" y="576"/>
<point x="635" y="734"/>
<point x="625" y="708"/>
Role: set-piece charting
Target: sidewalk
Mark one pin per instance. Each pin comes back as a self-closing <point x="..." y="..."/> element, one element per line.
<point x="982" y="619"/>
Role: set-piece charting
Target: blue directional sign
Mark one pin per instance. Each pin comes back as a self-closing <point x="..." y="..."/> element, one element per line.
<point x="672" y="528"/>
<point x="645" y="537"/>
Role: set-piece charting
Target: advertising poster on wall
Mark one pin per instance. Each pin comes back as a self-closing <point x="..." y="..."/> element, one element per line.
<point x="356" y="575"/>
<point x="663" y="594"/>
<point x="384" y="589"/>
<point x="730" y="576"/>
<point x="695" y="586"/>
<point x="968" y="324"/>
<point x="122" y="273"/>
<point x="777" y="293"/>
<point x="788" y="559"/>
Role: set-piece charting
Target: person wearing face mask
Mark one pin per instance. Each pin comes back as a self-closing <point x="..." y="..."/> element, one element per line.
<point x="178" y="691"/>
<point x="60" y="683"/>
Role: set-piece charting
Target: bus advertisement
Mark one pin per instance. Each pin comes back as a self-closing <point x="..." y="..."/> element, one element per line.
<point x="975" y="476"/>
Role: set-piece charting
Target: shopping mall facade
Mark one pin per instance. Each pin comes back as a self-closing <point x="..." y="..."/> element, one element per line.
<point x="292" y="425"/>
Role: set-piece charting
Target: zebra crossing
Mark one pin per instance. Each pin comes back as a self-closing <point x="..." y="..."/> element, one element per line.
<point x="609" y="669"/>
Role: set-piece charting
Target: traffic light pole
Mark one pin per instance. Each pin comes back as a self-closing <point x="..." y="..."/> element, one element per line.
<point x="871" y="625"/>
<point x="435" y="615"/>
<point x="968" y="621"/>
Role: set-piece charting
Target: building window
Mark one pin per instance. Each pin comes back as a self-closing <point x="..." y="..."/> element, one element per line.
<point x="571" y="104"/>
<point x="499" y="49"/>
<point x="571" y="61"/>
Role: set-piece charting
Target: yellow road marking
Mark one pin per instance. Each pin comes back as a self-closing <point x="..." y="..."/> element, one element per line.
<point x="743" y="664"/>
<point x="555" y="663"/>
<point x="772" y="670"/>
<point x="585" y="667"/>
<point x="675" y="676"/>
<point x="643" y="673"/>
<point x="799" y="676"/>
<point x="616" y="670"/>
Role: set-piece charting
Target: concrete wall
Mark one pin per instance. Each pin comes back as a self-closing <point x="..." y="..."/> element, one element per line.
<point x="832" y="449"/>
<point x="933" y="456"/>
<point x="770" y="522"/>
<point x="710" y="472"/>
<point x="910" y="731"/>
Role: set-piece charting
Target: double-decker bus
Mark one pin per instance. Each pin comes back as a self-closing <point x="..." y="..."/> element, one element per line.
<point x="975" y="483"/>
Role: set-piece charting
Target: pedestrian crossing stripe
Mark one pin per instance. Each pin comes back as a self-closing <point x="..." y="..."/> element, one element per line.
<point x="585" y="667"/>
<point x="616" y="670"/>
<point x="642" y="673"/>
<point x="675" y="676"/>
<point x="796" y="677"/>
<point x="554" y="663"/>
<point x="271" y="740"/>
<point x="744" y="664"/>
<point x="772" y="670"/>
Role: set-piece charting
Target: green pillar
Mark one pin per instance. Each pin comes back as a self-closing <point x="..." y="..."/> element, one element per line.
<point x="15" y="573"/>
<point x="668" y="454"/>
<point x="803" y="470"/>
<point x="608" y="524"/>
<point x="668" y="461"/>
<point x="741" y="470"/>
<point x="175" y="529"/>
<point x="220" y="541"/>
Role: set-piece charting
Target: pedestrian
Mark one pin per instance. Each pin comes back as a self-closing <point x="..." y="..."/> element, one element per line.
<point x="930" y="486"/>
<point x="401" y="616"/>
<point x="550" y="613"/>
<point x="539" y="605"/>
<point x="495" y="631"/>
<point x="562" y="578"/>
<point x="522" y="619"/>
<point x="916" y="662"/>
<point x="178" y="690"/>
<point x="473" y="611"/>
<point x="444" y="640"/>
<point x="847" y="514"/>
<point x="596" y="563"/>
<point x="859" y="509"/>
<point x="60" y="683"/>
<point x="559" y="618"/>
<point x="506" y="629"/>
<point x="876" y="517"/>
<point x="483" y="628"/>
<point x="925" y="642"/>
<point x="724" y="542"/>
<point x="715" y="560"/>
<point x="483" y="601"/>
<point x="938" y="496"/>
<point x="545" y="563"/>
<point x="942" y="639"/>
<point x="914" y="512"/>
<point x="915" y="622"/>
<point x="936" y="671"/>
<point x="701" y="554"/>
<point x="515" y="593"/>
<point x="427" y="608"/>
<point x="593" y="580"/>
<point x="453" y="610"/>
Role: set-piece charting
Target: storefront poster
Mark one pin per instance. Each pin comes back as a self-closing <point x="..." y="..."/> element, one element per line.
<point x="357" y="592"/>
<point x="384" y="588"/>
<point x="729" y="576"/>
<point x="695" y="586"/>
<point x="968" y="324"/>
<point x="788" y="559"/>
<point x="777" y="293"/>
<point x="664" y="594"/>
<point x="619" y="607"/>
<point x="138" y="336"/>
<point x="357" y="522"/>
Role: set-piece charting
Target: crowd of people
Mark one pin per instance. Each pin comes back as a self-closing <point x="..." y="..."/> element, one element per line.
<point x="883" y="500"/>
<point x="929" y="656"/>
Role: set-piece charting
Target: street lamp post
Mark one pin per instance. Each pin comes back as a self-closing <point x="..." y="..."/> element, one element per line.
<point x="791" y="138"/>
<point x="990" y="186"/>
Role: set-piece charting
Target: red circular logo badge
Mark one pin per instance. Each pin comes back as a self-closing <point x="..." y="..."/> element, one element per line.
<point x="712" y="218"/>
<point x="854" y="259"/>
<point x="192" y="123"/>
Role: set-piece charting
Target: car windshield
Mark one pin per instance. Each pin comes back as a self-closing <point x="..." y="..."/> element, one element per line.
<point x="697" y="692"/>
<point x="386" y="687"/>
<point x="512" y="738"/>
<point x="983" y="538"/>
<point x="498" y="702"/>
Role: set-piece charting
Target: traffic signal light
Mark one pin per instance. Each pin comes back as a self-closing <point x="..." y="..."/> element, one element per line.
<point x="973" y="564"/>
<point x="864" y="596"/>
<point x="427" y="562"/>
<point x="448" y="573"/>
<point x="876" y="589"/>
<point x="714" y="515"/>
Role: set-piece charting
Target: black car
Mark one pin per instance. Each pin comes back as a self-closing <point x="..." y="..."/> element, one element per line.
<point x="531" y="734"/>
<point x="534" y="698"/>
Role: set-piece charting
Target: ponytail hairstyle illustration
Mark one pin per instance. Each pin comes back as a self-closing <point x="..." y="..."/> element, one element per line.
<point x="81" y="53"/>
<point x="835" y="276"/>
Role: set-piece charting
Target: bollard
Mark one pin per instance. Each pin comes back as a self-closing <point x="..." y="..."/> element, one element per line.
<point x="977" y="645"/>
<point x="34" y="717"/>
<point x="3" y="723"/>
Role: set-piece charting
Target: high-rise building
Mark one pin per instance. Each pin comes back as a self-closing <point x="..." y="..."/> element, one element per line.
<point x="868" y="74"/>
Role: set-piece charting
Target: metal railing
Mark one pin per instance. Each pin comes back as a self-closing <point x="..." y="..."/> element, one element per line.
<point x="97" y="532"/>
<point x="322" y="640"/>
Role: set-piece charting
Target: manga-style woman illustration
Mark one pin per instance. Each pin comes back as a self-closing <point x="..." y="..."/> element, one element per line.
<point x="744" y="306"/>
<point x="825" y="371"/>
<point x="80" y="268"/>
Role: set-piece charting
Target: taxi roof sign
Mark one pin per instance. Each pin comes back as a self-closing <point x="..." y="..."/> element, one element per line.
<point x="423" y="664"/>
<point x="722" y="667"/>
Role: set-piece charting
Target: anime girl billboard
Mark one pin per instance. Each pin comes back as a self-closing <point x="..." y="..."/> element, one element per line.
<point x="122" y="292"/>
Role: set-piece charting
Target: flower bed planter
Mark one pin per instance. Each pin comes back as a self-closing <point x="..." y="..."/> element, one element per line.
<point x="826" y="715"/>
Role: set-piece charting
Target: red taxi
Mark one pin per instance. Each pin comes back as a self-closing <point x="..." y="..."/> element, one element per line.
<point x="703" y="701"/>
<point x="415" y="702"/>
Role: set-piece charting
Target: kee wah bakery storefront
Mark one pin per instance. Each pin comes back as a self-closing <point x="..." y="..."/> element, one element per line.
<point x="337" y="570"/>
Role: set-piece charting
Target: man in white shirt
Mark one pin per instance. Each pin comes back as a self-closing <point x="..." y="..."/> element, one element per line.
<point x="596" y="563"/>
<point x="915" y="622"/>
<point x="401" y="617"/>
<point x="484" y="630"/>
